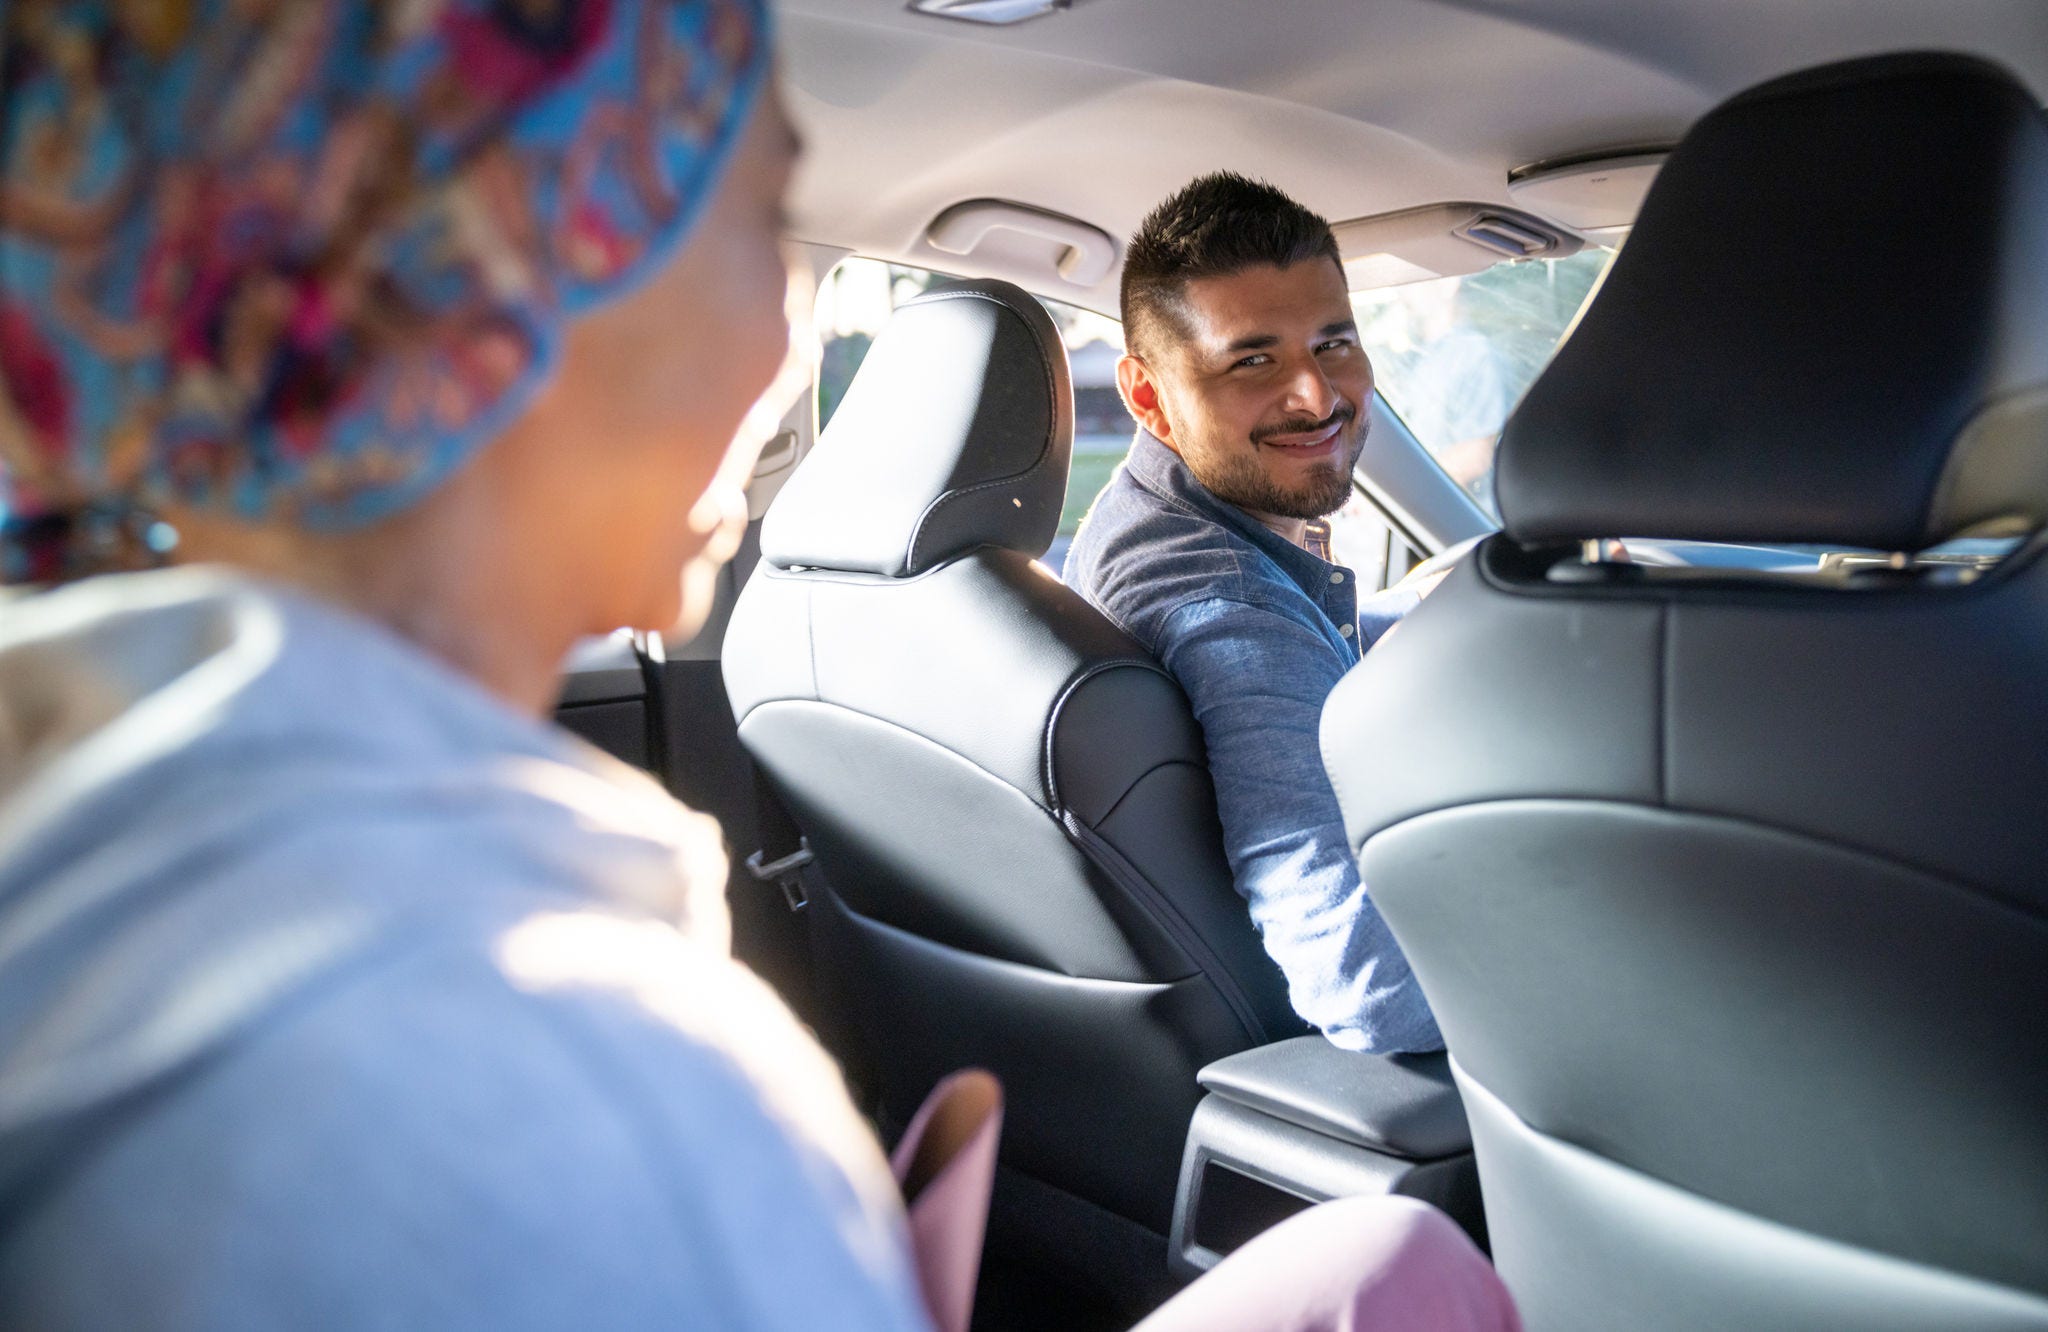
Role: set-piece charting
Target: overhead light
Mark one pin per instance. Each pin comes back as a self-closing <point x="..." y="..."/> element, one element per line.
<point x="1588" y="193"/>
<point x="999" y="13"/>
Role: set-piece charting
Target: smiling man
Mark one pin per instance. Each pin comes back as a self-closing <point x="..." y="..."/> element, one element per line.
<point x="1247" y="379"/>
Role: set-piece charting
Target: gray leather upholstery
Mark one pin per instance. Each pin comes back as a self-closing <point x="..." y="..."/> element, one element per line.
<point x="1890" y="217"/>
<point x="1404" y="1105"/>
<point x="1009" y="800"/>
<point x="922" y="468"/>
<point x="1730" y="899"/>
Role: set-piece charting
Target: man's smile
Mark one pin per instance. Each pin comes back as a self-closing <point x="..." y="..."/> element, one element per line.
<point x="1309" y="441"/>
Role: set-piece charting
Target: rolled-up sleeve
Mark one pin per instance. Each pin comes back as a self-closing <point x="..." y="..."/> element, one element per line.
<point x="1257" y="679"/>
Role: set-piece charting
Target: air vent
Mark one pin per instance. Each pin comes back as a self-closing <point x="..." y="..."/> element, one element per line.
<point x="996" y="13"/>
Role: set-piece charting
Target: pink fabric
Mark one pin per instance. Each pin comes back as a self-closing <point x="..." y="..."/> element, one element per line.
<point x="946" y="1165"/>
<point x="1353" y="1265"/>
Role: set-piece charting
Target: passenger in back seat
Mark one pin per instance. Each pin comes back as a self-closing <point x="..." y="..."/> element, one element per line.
<point x="1248" y="380"/>
<point x="338" y="989"/>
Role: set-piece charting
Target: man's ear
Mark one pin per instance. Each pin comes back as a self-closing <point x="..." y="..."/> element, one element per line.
<point x="1140" y="392"/>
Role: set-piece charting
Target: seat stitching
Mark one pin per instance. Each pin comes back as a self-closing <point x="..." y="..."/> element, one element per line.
<point x="1662" y="724"/>
<point x="1052" y="403"/>
<point x="1052" y="718"/>
<point x="1130" y="878"/>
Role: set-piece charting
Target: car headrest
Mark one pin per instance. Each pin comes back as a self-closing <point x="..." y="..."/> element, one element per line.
<point x="955" y="434"/>
<point x="1830" y="324"/>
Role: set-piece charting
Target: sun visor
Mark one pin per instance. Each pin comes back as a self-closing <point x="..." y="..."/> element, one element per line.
<point x="1444" y="240"/>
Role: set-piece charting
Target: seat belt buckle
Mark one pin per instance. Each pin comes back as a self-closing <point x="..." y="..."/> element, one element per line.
<point x="786" y="872"/>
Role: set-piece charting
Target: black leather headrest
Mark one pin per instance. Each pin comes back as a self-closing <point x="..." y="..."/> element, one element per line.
<point x="955" y="434"/>
<point x="1830" y="324"/>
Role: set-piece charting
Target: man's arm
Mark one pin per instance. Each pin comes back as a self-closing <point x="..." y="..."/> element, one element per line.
<point x="1257" y="679"/>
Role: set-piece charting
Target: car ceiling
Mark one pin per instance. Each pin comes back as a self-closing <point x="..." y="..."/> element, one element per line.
<point x="1356" y="107"/>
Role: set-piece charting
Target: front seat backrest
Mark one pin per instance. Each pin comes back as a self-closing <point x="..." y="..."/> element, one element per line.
<point x="1008" y="798"/>
<point x="1729" y="892"/>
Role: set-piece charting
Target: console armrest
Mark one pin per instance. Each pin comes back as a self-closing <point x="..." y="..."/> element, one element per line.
<point x="1404" y="1105"/>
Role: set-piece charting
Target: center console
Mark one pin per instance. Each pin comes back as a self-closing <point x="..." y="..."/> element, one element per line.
<point x="1287" y="1125"/>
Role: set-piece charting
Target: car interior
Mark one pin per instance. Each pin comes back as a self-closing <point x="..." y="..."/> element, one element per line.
<point x="1698" y="793"/>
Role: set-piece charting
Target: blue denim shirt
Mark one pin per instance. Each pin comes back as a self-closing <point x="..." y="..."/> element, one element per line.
<point x="1258" y="631"/>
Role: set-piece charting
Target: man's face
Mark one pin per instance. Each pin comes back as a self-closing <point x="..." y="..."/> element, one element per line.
<point x="1265" y="397"/>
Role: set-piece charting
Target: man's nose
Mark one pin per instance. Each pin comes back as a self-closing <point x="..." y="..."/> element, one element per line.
<point x="1309" y="391"/>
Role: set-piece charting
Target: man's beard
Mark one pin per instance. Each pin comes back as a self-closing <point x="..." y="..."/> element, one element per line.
<point x="1236" y="475"/>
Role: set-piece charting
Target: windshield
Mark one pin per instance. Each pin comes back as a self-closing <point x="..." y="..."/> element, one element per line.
<point x="1453" y="356"/>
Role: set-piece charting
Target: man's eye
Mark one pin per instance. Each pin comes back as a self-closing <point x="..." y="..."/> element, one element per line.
<point x="1259" y="359"/>
<point x="1337" y="344"/>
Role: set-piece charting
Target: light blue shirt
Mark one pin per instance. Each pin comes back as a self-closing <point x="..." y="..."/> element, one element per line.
<point x="1258" y="631"/>
<point x="335" y="994"/>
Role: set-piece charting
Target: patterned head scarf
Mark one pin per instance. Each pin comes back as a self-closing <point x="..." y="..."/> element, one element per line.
<point x="298" y="259"/>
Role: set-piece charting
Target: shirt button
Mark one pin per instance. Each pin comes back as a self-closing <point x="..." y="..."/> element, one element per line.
<point x="1337" y="576"/>
<point x="1346" y="630"/>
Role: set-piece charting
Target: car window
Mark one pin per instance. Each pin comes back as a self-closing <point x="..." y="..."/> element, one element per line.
<point x="1452" y="356"/>
<point x="859" y="295"/>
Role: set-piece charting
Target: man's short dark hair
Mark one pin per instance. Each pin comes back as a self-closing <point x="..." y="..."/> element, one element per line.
<point x="1219" y="224"/>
